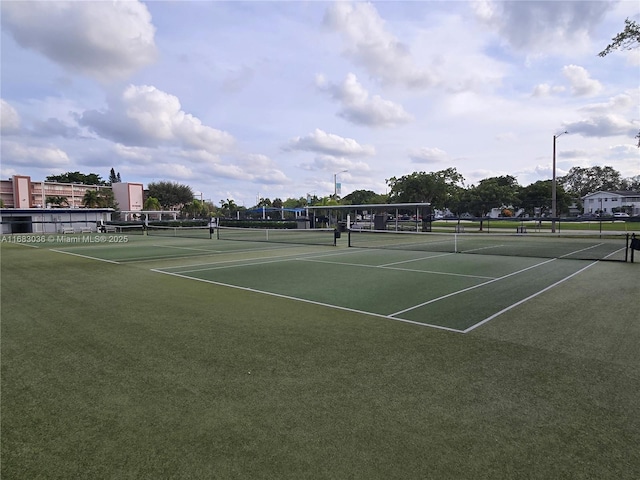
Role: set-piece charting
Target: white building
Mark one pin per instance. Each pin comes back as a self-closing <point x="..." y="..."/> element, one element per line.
<point x="607" y="203"/>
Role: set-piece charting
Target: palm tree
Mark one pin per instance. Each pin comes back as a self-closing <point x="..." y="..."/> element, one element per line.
<point x="91" y="199"/>
<point x="57" y="201"/>
<point x="228" y="207"/>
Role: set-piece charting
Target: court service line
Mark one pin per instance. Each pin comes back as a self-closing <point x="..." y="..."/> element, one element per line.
<point x="213" y="265"/>
<point x="312" y="302"/>
<point x="504" y="310"/>
<point x="471" y="288"/>
<point x="188" y="248"/>
<point x="85" y="256"/>
<point x="384" y="267"/>
<point x="155" y="258"/>
<point x="416" y="259"/>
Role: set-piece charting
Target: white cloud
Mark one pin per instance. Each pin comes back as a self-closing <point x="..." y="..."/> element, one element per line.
<point x="535" y="26"/>
<point x="146" y="116"/>
<point x="328" y="143"/>
<point x="603" y="126"/>
<point x="15" y="153"/>
<point x="368" y="43"/>
<point x="9" y="118"/>
<point x="581" y="83"/>
<point x="627" y="101"/>
<point x="360" y="108"/>
<point x="545" y="90"/>
<point x="104" y="40"/>
<point x="428" y="155"/>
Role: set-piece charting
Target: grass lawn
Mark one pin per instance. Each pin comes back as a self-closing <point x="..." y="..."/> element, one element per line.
<point x="115" y="371"/>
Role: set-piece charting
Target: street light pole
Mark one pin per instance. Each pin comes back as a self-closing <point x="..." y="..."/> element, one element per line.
<point x="335" y="183"/>
<point x="554" y="203"/>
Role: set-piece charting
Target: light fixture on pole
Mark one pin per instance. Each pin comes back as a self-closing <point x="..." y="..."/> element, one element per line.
<point x="335" y="183"/>
<point x="554" y="203"/>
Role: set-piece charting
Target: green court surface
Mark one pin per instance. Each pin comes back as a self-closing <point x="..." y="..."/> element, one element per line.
<point x="443" y="290"/>
<point x="159" y="357"/>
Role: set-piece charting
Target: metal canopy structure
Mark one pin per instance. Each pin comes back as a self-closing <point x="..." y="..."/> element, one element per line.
<point x="371" y="206"/>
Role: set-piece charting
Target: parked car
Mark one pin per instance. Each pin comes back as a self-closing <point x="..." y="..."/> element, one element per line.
<point x="621" y="215"/>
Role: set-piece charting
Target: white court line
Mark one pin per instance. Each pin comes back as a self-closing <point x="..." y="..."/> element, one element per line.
<point x="287" y="297"/>
<point x="527" y="299"/>
<point x="188" y="248"/>
<point x="257" y="261"/>
<point x="384" y="267"/>
<point x="85" y="256"/>
<point x="24" y="244"/>
<point x="417" y="259"/>
<point x="284" y="257"/>
<point x="231" y="252"/>
<point x="471" y="288"/>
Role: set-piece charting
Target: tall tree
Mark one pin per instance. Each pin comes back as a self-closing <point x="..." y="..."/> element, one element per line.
<point x="494" y="192"/>
<point x="434" y="187"/>
<point x="77" y="177"/>
<point x="102" y="198"/>
<point x="363" y="197"/>
<point x="628" y="39"/>
<point x="152" y="203"/>
<point x="631" y="183"/>
<point x="538" y="195"/>
<point x="114" y="177"/>
<point x="57" y="201"/>
<point x="170" y="194"/>
<point x="90" y="199"/>
<point x="228" y="207"/>
<point x="581" y="181"/>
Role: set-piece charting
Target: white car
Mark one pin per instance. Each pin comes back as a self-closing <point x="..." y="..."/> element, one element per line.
<point x="621" y="215"/>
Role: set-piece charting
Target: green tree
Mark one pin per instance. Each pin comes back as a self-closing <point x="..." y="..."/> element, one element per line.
<point x="77" y="177"/>
<point x="102" y="198"/>
<point x="435" y="187"/>
<point x="57" y="201"/>
<point x="264" y="202"/>
<point x="277" y="203"/>
<point x="538" y="195"/>
<point x="581" y="181"/>
<point x="228" y="208"/>
<point x="631" y="183"/>
<point x="628" y="39"/>
<point x="114" y="177"/>
<point x="106" y="199"/>
<point x="363" y="197"/>
<point x="152" y="203"/>
<point x="295" y="202"/>
<point x="90" y="199"/>
<point x="192" y="209"/>
<point x="171" y="195"/>
<point x="494" y="192"/>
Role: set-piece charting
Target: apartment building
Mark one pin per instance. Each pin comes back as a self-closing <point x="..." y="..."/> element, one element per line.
<point x="608" y="202"/>
<point x="21" y="192"/>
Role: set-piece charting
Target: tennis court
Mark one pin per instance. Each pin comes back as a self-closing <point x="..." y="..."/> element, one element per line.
<point x="183" y="356"/>
<point x="424" y="283"/>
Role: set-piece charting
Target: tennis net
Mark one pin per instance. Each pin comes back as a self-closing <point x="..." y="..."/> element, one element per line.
<point x="124" y="229"/>
<point x="575" y="246"/>
<point x="312" y="236"/>
<point x="184" y="232"/>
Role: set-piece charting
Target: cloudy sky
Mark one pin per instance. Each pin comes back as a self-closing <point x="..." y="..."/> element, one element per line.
<point x="243" y="100"/>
